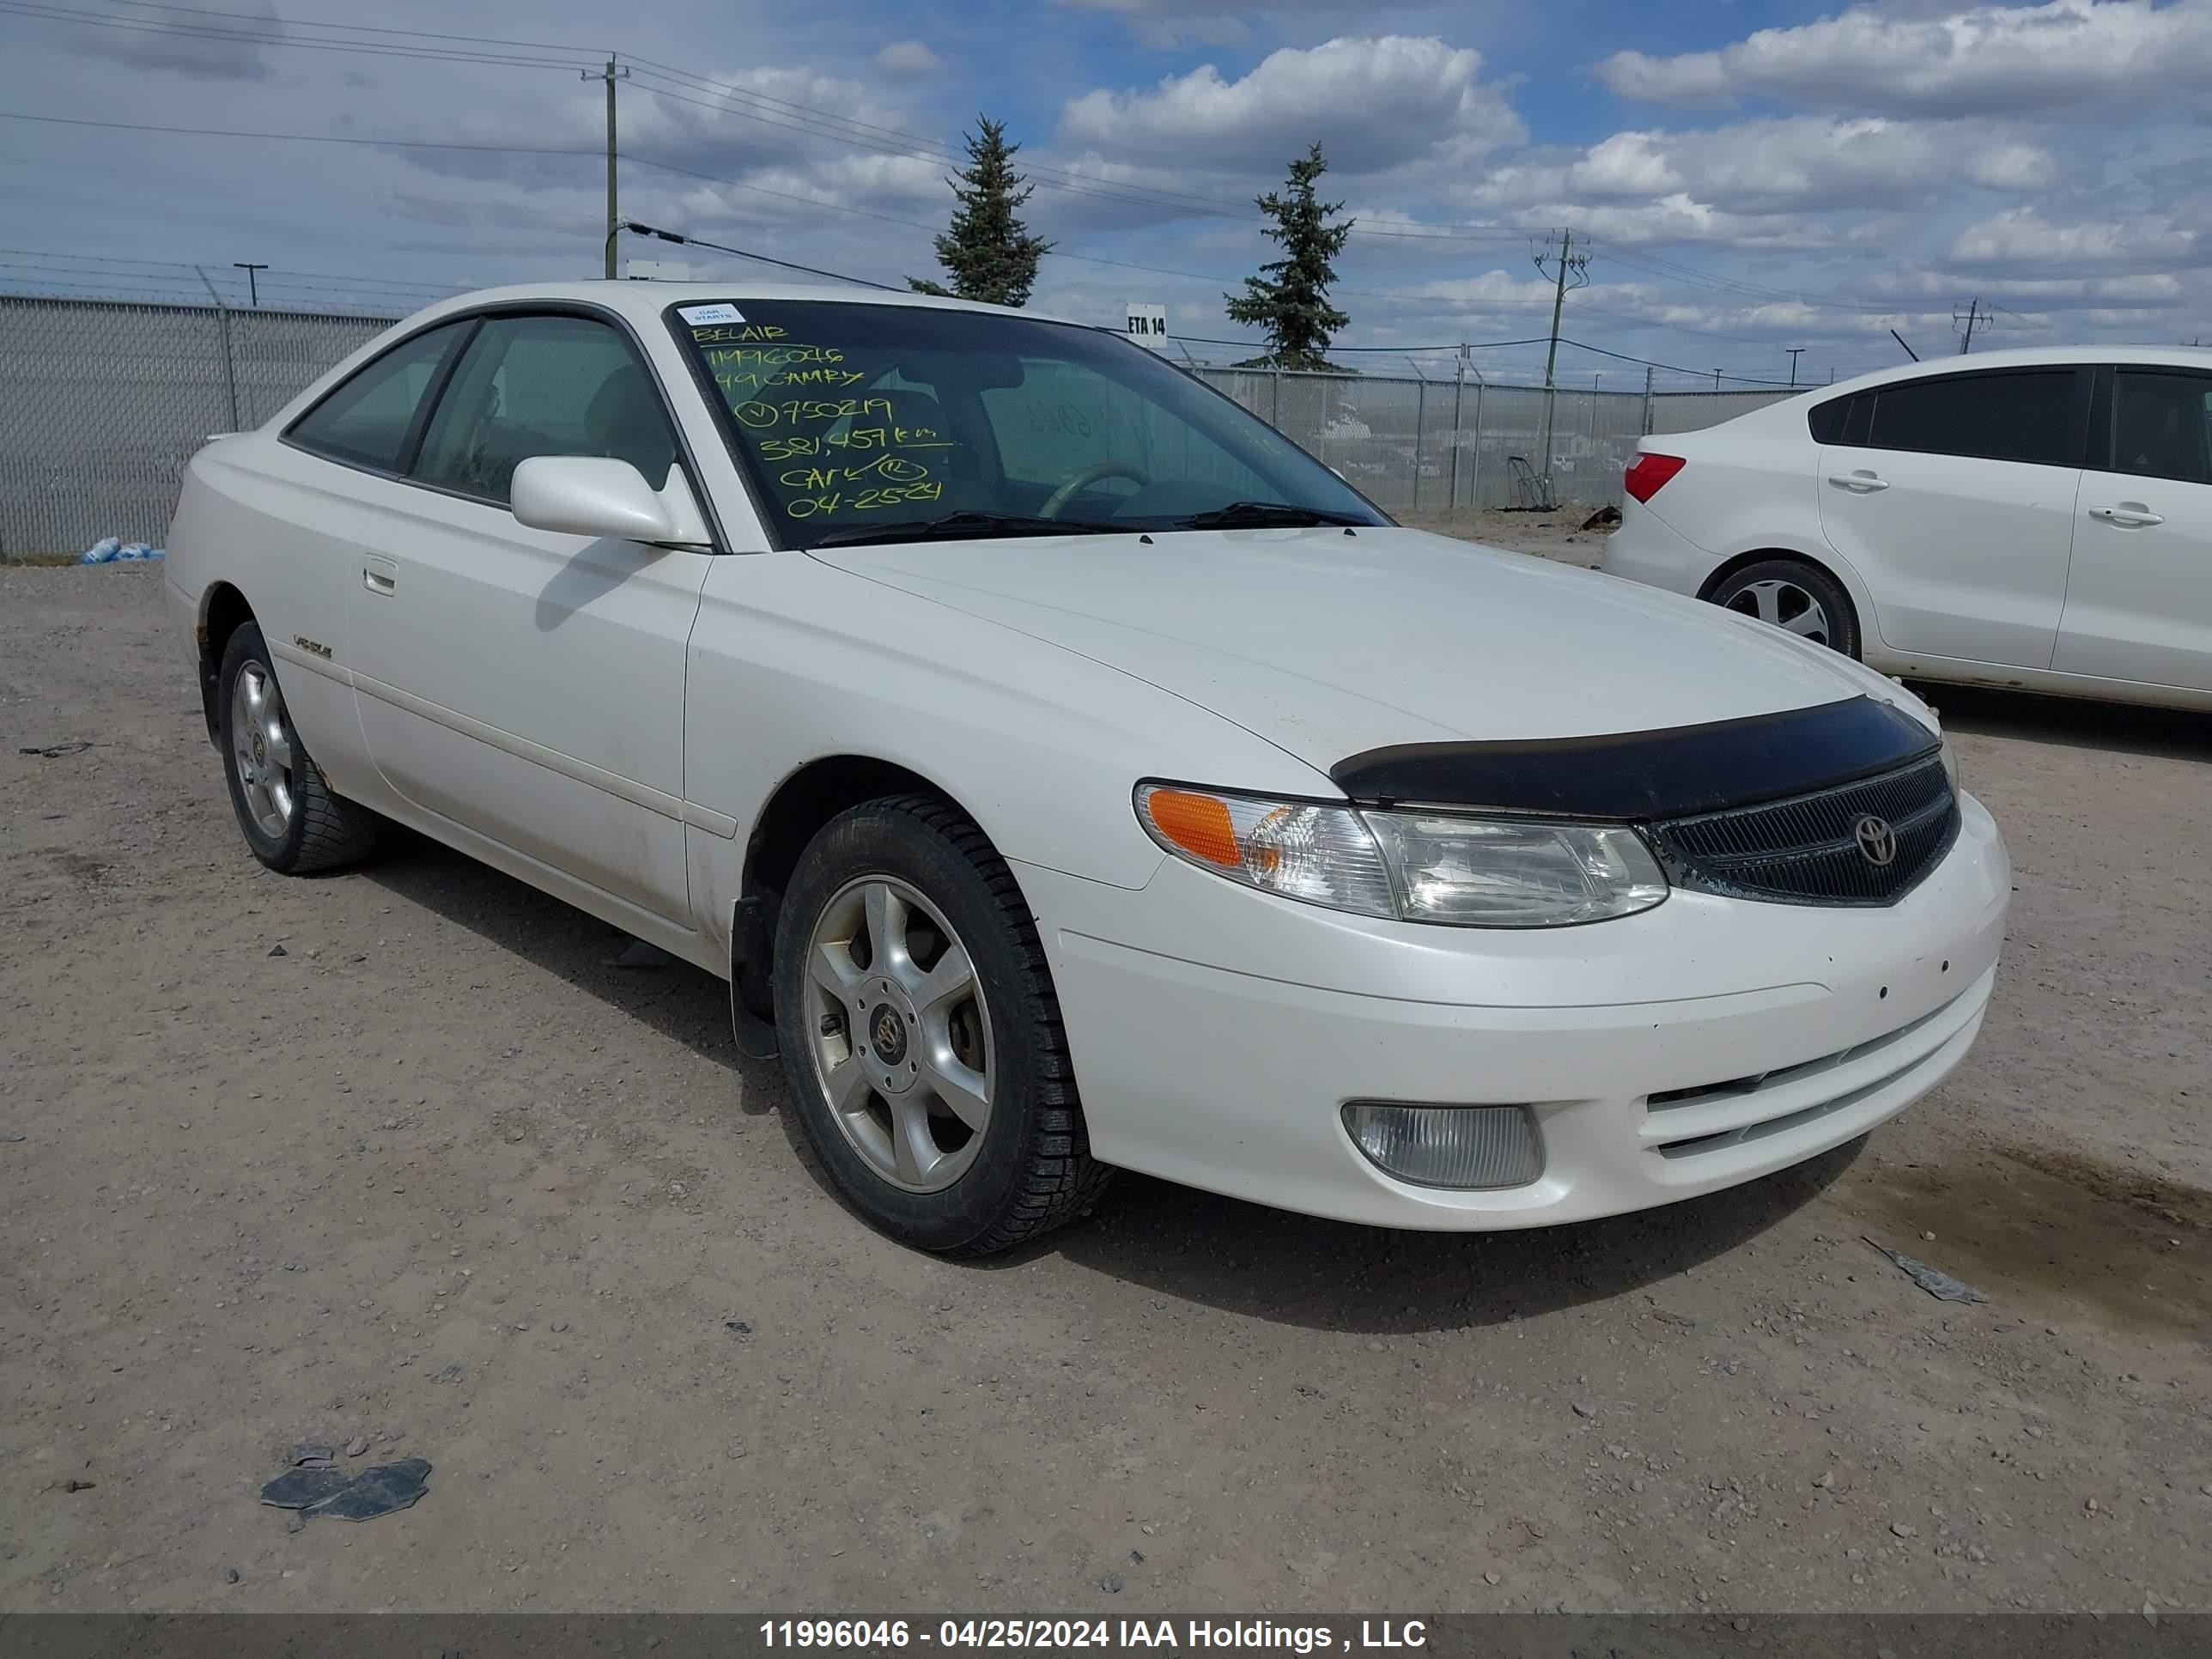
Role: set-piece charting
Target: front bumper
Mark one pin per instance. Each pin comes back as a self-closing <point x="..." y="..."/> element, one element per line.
<point x="1218" y="1032"/>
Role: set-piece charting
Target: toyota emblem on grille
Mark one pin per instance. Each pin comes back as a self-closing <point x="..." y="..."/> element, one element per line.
<point x="1877" y="840"/>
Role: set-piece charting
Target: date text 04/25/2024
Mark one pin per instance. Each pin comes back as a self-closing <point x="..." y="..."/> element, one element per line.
<point x="959" y="1635"/>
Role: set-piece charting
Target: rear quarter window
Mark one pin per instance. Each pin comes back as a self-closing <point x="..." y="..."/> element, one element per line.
<point x="366" y="419"/>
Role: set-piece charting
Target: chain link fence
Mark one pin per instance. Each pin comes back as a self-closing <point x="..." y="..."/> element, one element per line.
<point x="1423" y="445"/>
<point x="102" y="402"/>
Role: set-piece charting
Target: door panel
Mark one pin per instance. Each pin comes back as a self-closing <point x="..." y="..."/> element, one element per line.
<point x="1954" y="501"/>
<point x="2139" y="601"/>
<point x="525" y="684"/>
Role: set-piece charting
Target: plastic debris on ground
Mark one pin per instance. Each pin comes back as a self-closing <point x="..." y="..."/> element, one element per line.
<point x="113" y="550"/>
<point x="315" y="1488"/>
<point x="1934" y="1280"/>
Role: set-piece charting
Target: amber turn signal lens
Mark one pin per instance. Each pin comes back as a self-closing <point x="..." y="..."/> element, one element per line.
<point x="1198" y="824"/>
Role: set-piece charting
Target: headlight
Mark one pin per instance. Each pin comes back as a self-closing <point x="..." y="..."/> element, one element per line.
<point x="1505" y="872"/>
<point x="1416" y="866"/>
<point x="1950" y="765"/>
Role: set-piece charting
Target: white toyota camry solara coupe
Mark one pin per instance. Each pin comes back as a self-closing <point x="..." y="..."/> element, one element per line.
<point x="1067" y="772"/>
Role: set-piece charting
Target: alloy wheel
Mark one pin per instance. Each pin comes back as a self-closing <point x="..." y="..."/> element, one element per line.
<point x="1786" y="606"/>
<point x="900" y="1033"/>
<point x="261" y="745"/>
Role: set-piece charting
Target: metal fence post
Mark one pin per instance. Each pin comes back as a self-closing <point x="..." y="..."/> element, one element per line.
<point x="1275" y="409"/>
<point x="1459" y="398"/>
<point x="1420" y="428"/>
<point x="1647" y="400"/>
<point x="229" y="365"/>
<point x="1474" y="479"/>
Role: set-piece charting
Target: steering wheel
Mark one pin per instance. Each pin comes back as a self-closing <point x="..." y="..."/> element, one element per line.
<point x="1091" y="475"/>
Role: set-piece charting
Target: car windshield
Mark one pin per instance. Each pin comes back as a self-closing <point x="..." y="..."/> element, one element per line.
<point x="879" y="422"/>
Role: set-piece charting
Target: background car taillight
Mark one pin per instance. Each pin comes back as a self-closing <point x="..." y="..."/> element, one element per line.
<point x="1647" y="472"/>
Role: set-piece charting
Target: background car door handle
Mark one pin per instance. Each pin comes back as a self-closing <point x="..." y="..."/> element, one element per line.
<point x="381" y="576"/>
<point x="2128" y="515"/>
<point x="1862" y="482"/>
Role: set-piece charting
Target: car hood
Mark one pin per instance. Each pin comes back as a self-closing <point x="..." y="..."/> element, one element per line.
<point x="1328" y="645"/>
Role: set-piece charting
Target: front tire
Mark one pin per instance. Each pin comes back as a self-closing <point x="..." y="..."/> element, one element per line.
<point x="291" y="819"/>
<point x="922" y="1035"/>
<point x="1798" y="595"/>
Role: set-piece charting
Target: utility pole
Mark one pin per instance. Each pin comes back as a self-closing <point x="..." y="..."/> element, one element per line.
<point x="1795" y="352"/>
<point x="252" y="288"/>
<point x="1716" y="379"/>
<point x="1973" y="315"/>
<point x="609" y="75"/>
<point x="1569" y="261"/>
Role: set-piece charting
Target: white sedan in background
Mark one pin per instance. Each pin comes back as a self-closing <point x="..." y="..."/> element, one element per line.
<point x="2040" y="519"/>
<point x="1068" y="772"/>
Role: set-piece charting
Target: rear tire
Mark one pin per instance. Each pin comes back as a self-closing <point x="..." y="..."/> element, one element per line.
<point x="286" y="809"/>
<point x="922" y="1035"/>
<point x="1794" y="594"/>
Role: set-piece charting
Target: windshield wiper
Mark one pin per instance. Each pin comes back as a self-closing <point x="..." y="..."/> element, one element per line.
<point x="968" y="526"/>
<point x="1261" y="515"/>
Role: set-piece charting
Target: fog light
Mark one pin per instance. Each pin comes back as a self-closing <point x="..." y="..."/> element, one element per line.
<point x="1469" y="1147"/>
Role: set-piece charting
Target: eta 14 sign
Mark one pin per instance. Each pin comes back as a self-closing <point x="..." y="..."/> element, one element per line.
<point x="1148" y="325"/>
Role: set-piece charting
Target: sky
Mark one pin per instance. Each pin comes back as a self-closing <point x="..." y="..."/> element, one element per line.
<point x="1744" y="176"/>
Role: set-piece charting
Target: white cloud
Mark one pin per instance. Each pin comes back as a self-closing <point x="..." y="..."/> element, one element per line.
<point x="1373" y="104"/>
<point x="1164" y="24"/>
<point x="2023" y="239"/>
<point x="1679" y="217"/>
<point x="910" y="60"/>
<point x="1775" y="165"/>
<point x="1986" y="60"/>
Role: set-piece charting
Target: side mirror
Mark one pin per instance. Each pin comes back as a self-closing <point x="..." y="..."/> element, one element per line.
<point x="589" y="495"/>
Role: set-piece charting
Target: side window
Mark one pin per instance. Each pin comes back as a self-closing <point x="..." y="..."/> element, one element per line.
<point x="543" y="386"/>
<point x="2008" y="415"/>
<point x="2162" y="425"/>
<point x="367" y="420"/>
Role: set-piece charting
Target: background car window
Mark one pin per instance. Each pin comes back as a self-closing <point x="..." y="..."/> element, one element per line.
<point x="543" y="386"/>
<point x="1066" y="416"/>
<point x="367" y="420"/>
<point x="2162" y="425"/>
<point x="2023" y="417"/>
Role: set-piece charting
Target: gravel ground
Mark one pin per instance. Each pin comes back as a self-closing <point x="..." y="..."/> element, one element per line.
<point x="397" y="1159"/>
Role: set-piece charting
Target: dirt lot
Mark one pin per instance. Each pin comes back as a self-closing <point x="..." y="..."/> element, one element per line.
<point x="440" y="1177"/>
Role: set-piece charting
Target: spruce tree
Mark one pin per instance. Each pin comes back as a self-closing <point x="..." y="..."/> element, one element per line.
<point x="988" y="252"/>
<point x="1289" y="300"/>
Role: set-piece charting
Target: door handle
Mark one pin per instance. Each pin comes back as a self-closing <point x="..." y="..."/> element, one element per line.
<point x="1861" y="482"/>
<point x="2128" y="515"/>
<point x="381" y="576"/>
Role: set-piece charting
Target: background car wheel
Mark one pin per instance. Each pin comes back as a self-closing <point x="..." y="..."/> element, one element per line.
<point x="291" y="820"/>
<point x="1795" y="595"/>
<point x="922" y="1035"/>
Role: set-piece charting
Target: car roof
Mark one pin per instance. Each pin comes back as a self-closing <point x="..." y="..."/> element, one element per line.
<point x="643" y="302"/>
<point x="2025" y="357"/>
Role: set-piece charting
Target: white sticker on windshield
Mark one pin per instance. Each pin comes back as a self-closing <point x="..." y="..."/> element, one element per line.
<point x="696" y="315"/>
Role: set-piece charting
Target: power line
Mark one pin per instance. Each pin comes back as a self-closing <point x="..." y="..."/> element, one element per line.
<point x="301" y="137"/>
<point x="244" y="37"/>
<point x="355" y="28"/>
<point x="768" y="109"/>
<point x="631" y="225"/>
<point x="1622" y="356"/>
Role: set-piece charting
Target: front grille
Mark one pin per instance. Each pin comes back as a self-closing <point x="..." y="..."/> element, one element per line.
<point x="1806" y="849"/>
